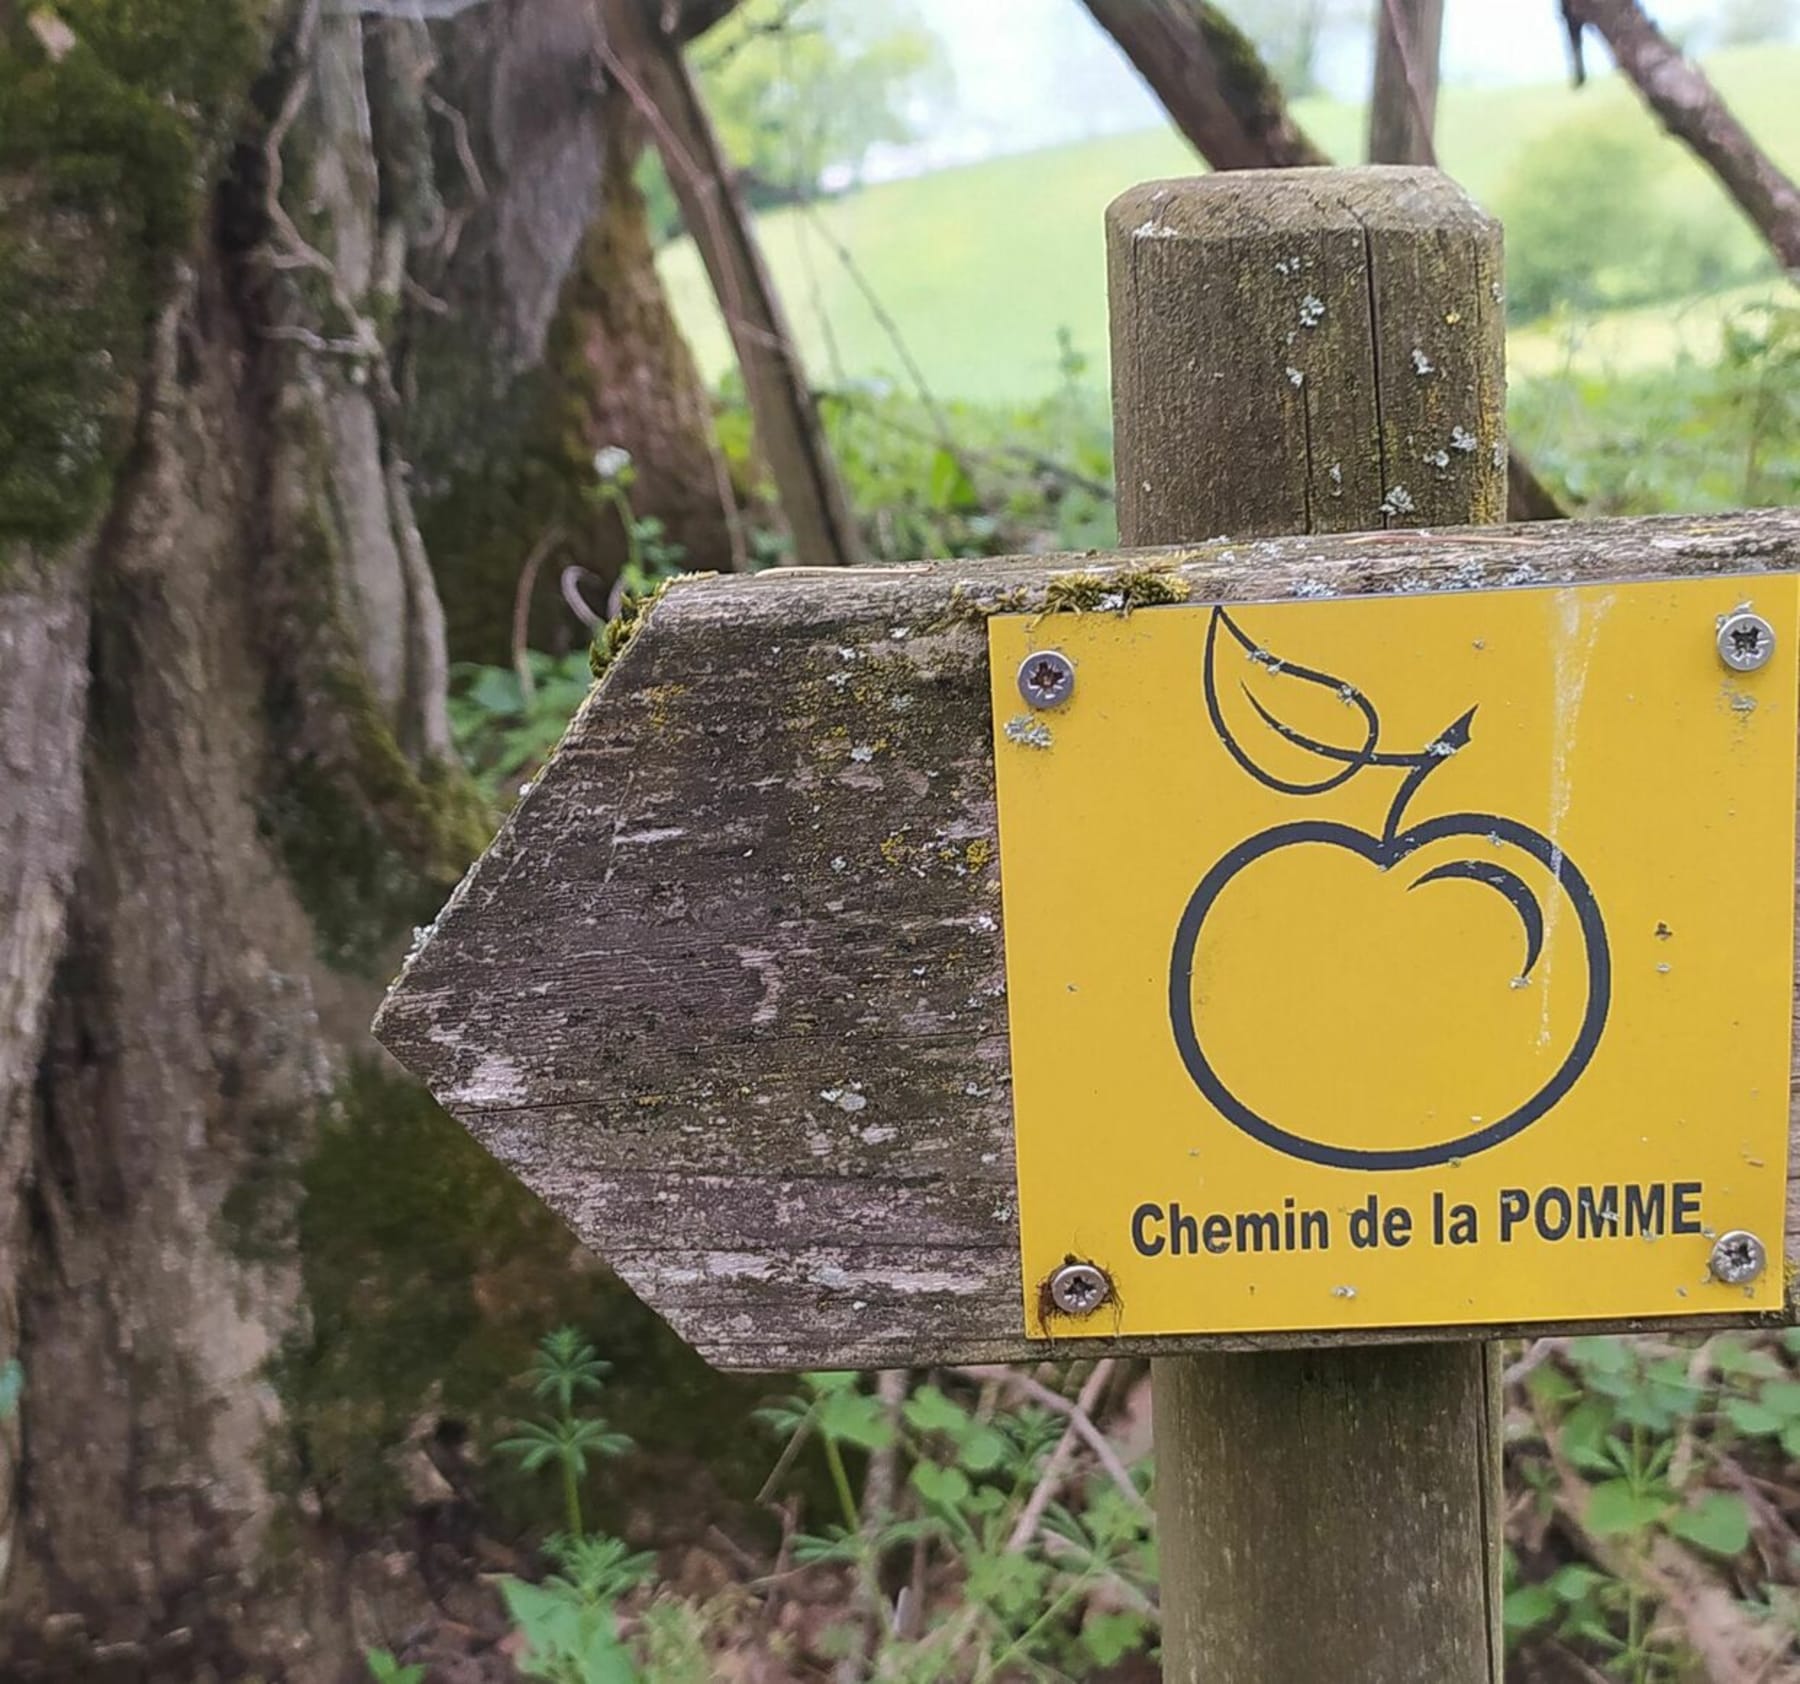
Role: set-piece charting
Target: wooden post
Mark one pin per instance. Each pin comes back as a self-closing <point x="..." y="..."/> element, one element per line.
<point x="1303" y="351"/>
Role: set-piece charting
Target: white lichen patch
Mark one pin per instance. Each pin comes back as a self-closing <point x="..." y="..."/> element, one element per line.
<point x="1422" y="364"/>
<point x="1439" y="459"/>
<point x="1312" y="310"/>
<point x="1027" y="732"/>
<point x="1296" y="377"/>
<point x="498" y="1082"/>
<point x="862" y="754"/>
<point x="1398" y="501"/>
<point x="1462" y="439"/>
<point x="1153" y="230"/>
<point x="845" y="1099"/>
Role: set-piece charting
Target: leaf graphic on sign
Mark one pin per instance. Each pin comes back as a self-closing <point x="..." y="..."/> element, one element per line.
<point x="1226" y="642"/>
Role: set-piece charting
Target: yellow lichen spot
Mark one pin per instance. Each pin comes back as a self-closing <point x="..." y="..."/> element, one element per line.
<point x="978" y="853"/>
<point x="1452" y="317"/>
<point x="894" y="849"/>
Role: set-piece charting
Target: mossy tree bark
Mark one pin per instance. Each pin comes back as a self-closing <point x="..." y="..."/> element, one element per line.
<point x="555" y="337"/>
<point x="227" y="790"/>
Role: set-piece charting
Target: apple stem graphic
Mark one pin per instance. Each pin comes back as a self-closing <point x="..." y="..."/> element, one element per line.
<point x="1418" y="764"/>
<point x="1399" y="839"/>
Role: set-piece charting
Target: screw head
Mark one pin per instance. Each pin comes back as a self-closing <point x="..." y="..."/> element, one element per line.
<point x="1746" y="641"/>
<point x="1737" y="1258"/>
<point x="1079" y="1289"/>
<point x="1047" y="678"/>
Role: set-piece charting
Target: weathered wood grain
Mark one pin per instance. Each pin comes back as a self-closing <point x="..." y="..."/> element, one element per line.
<point x="728" y="990"/>
<point x="1309" y="1508"/>
<point x="1385" y="286"/>
<point x="1305" y="351"/>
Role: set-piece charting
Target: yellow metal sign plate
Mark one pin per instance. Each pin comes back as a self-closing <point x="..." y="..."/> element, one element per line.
<point x="1400" y="961"/>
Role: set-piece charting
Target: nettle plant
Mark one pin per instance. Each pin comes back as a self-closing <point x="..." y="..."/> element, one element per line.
<point x="977" y="1568"/>
<point x="1637" y="1451"/>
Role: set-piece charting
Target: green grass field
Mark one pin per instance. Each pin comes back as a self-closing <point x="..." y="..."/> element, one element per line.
<point x="981" y="266"/>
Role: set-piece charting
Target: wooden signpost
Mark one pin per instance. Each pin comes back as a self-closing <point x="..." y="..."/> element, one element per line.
<point x="1301" y="959"/>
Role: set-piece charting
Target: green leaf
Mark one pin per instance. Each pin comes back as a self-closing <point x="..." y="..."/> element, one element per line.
<point x="1616" y="1508"/>
<point x="982" y="1450"/>
<point x="1576" y="1582"/>
<point x="1604" y="1353"/>
<point x="1751" y="1418"/>
<point x="1732" y="1356"/>
<point x="1529" y="1607"/>
<point x="384" y="1669"/>
<point x="1790" y="1441"/>
<point x="943" y="1488"/>
<point x="496" y="690"/>
<point x="1781" y="1397"/>
<point x="929" y="1411"/>
<point x="1548" y="1384"/>
<point x="1583" y="1435"/>
<point x="852" y="1417"/>
<point x="822" y="1382"/>
<point x="1010" y="1582"/>
<point x="1109" y="1638"/>
<point x="1719" y="1522"/>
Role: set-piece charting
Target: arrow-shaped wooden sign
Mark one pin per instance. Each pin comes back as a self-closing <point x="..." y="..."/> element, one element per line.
<point x="729" y="989"/>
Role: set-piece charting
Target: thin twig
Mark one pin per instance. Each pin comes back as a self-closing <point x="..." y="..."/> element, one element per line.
<point x="1022" y="454"/>
<point x="1096" y="1440"/>
<point x="1537" y="1353"/>
<point x="548" y="539"/>
<point x="885" y="321"/>
<point x="780" y="24"/>
<point x="1056" y="1468"/>
<point x="1682" y="1461"/>
<point x="570" y="586"/>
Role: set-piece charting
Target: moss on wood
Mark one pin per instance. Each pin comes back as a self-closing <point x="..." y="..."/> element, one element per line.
<point x="104" y="152"/>
<point x="371" y="839"/>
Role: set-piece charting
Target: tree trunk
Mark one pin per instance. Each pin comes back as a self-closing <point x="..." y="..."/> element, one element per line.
<point x="1220" y="95"/>
<point x="1409" y="38"/>
<point x="1690" y="108"/>
<point x="228" y="789"/>
<point x="555" y="338"/>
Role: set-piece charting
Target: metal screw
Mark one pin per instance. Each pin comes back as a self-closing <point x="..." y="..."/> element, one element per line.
<point x="1047" y="679"/>
<point x="1746" y="641"/>
<point x="1079" y="1289"/>
<point x="1737" y="1258"/>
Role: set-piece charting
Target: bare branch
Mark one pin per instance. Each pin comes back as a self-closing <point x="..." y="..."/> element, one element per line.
<point x="1689" y="106"/>
<point x="1403" y="102"/>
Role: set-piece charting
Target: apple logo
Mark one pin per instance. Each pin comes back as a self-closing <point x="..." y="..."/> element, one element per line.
<point x="1489" y="838"/>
